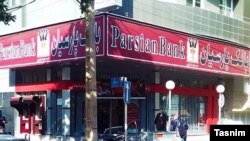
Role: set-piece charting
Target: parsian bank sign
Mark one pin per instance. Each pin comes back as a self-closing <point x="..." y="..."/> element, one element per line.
<point x="125" y="38"/>
<point x="60" y="42"/>
<point x="138" y="41"/>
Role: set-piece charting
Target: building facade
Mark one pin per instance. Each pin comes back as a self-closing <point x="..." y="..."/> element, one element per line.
<point x="197" y="44"/>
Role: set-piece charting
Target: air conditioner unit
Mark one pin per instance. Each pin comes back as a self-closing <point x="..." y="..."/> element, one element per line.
<point x="107" y="5"/>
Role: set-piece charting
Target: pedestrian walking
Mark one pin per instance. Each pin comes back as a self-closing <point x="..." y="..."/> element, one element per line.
<point x="182" y="128"/>
<point x="3" y="122"/>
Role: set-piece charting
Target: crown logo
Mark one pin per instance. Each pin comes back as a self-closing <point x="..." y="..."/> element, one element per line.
<point x="43" y="34"/>
<point x="192" y="42"/>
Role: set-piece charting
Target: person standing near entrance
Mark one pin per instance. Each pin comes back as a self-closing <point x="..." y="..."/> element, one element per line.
<point x="3" y="121"/>
<point x="174" y="122"/>
<point x="161" y="121"/>
<point x="182" y="128"/>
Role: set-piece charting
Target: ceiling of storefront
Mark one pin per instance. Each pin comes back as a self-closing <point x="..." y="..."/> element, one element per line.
<point x="113" y="65"/>
<point x="108" y="64"/>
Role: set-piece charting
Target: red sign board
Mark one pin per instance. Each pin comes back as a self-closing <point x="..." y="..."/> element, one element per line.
<point x="127" y="39"/>
<point x="65" y="41"/>
<point x="137" y="41"/>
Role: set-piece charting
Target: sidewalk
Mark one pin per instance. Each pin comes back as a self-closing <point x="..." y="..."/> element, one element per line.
<point x="171" y="136"/>
<point x="197" y="136"/>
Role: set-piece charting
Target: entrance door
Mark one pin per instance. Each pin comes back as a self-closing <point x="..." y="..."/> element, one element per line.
<point x="193" y="107"/>
<point x="25" y="121"/>
<point x="39" y="116"/>
<point x="110" y="113"/>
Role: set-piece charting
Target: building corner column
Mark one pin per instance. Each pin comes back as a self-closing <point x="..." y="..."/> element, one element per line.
<point x="48" y="109"/>
<point x="66" y="103"/>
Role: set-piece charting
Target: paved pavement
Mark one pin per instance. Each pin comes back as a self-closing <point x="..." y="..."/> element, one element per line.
<point x="171" y="136"/>
<point x="197" y="136"/>
<point x="202" y="137"/>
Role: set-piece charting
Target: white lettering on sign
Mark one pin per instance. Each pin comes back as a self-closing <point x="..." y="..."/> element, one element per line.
<point x="21" y="50"/>
<point x="210" y="56"/>
<point x="145" y="45"/>
<point x="71" y="41"/>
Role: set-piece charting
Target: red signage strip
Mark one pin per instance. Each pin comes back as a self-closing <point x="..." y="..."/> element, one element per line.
<point x="65" y="41"/>
<point x="59" y="85"/>
<point x="103" y="88"/>
<point x="137" y="41"/>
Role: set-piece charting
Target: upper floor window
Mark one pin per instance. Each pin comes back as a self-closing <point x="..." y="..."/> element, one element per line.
<point x="196" y="3"/>
<point x="28" y="75"/>
<point x="226" y="7"/>
<point x="13" y="3"/>
<point x="56" y="74"/>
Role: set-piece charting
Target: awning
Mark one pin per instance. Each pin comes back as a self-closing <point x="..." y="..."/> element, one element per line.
<point x="244" y="107"/>
<point x="21" y="102"/>
<point x="15" y="102"/>
<point x="57" y="85"/>
<point x="30" y="99"/>
<point x="15" y="99"/>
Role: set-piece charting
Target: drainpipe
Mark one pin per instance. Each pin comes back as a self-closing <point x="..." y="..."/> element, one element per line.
<point x="24" y="14"/>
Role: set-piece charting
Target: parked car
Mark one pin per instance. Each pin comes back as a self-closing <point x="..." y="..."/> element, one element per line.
<point x="117" y="133"/>
<point x="112" y="134"/>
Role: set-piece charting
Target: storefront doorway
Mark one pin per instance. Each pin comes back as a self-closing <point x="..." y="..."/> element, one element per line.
<point x="110" y="113"/>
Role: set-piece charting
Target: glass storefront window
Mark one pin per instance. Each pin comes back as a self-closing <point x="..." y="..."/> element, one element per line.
<point x="30" y="75"/>
<point x="191" y="107"/>
<point x="57" y="112"/>
<point x="76" y="112"/>
<point x="58" y="115"/>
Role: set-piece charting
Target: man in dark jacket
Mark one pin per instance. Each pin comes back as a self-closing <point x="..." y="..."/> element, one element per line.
<point x="161" y="120"/>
